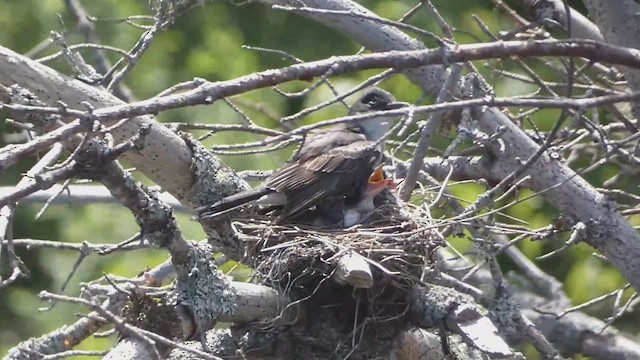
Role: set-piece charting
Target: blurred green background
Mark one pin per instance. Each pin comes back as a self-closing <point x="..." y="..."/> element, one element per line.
<point x="206" y="42"/>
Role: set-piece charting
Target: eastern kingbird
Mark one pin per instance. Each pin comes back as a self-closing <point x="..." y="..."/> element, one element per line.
<point x="355" y="213"/>
<point x="335" y="163"/>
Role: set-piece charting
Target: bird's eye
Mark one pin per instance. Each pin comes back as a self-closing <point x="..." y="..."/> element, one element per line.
<point x="370" y="100"/>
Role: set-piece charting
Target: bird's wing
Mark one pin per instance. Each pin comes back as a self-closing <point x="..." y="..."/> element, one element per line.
<point x="320" y="142"/>
<point x="339" y="171"/>
<point x="326" y="152"/>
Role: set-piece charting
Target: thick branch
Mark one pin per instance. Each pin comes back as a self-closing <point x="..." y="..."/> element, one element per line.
<point x="209" y="92"/>
<point x="574" y="333"/>
<point x="581" y="26"/>
<point x="164" y="158"/>
<point x="618" y="22"/>
<point x="80" y="195"/>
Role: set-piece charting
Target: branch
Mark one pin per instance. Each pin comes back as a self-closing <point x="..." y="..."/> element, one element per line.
<point x="581" y="26"/>
<point x="69" y="336"/>
<point x="7" y="214"/>
<point x="353" y="269"/>
<point x="165" y="158"/>
<point x="440" y="306"/>
<point x="208" y="92"/>
<point x="253" y="303"/>
<point x="573" y="333"/>
<point x="619" y="25"/>
<point x="76" y="195"/>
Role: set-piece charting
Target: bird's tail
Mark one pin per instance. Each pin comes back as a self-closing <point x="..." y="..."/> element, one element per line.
<point x="230" y="203"/>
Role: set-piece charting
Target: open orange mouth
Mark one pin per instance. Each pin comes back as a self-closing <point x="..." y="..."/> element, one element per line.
<point x="377" y="180"/>
<point x="377" y="176"/>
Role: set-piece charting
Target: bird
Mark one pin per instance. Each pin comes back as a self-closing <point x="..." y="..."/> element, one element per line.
<point x="330" y="164"/>
<point x="357" y="212"/>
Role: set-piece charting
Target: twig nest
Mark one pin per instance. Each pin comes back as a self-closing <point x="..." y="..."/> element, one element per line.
<point x="347" y="278"/>
<point x="393" y="243"/>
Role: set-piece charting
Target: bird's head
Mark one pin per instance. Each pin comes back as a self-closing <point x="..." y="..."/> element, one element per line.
<point x="373" y="100"/>
<point x="378" y="182"/>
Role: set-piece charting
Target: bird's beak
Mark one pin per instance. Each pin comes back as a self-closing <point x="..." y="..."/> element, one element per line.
<point x="396" y="105"/>
<point x="377" y="176"/>
<point x="377" y="181"/>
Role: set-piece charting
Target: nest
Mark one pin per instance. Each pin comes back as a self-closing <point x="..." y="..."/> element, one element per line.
<point x="396" y="244"/>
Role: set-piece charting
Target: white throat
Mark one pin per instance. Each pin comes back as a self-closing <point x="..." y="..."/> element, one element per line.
<point x="375" y="128"/>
